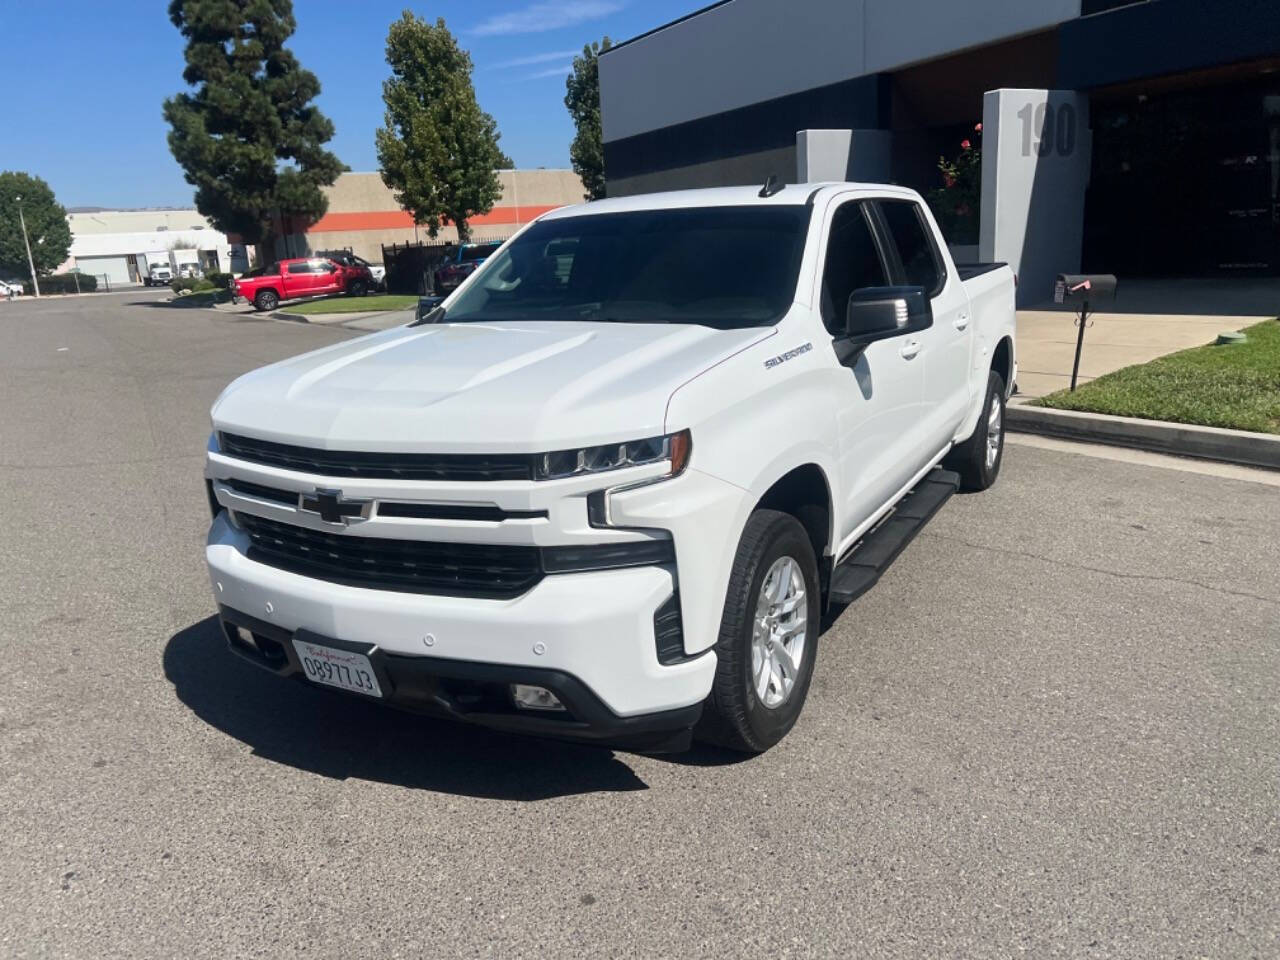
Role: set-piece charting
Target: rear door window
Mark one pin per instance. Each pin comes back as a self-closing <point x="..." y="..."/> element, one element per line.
<point x="910" y="235"/>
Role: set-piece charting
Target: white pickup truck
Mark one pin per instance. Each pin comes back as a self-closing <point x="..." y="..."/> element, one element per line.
<point x="609" y="488"/>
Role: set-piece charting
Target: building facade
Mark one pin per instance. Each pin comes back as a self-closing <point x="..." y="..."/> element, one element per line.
<point x="1113" y="132"/>
<point x="363" y="215"/>
<point x="114" y="245"/>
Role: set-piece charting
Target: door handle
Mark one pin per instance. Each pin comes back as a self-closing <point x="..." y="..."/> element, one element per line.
<point x="910" y="349"/>
<point x="961" y="321"/>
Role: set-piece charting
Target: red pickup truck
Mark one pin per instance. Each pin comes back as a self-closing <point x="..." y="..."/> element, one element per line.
<point x="265" y="287"/>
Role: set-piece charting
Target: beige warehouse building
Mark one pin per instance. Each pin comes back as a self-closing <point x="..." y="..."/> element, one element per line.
<point x="363" y="215"/>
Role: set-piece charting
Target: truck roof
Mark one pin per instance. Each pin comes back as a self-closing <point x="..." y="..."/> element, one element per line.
<point x="794" y="194"/>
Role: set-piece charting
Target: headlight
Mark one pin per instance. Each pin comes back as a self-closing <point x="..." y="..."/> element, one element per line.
<point x="674" y="447"/>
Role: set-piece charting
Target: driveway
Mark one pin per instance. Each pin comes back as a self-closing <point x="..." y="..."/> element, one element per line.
<point x="1051" y="730"/>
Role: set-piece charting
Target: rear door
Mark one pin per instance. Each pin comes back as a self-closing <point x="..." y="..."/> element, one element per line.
<point x="328" y="276"/>
<point x="877" y="397"/>
<point x="946" y="345"/>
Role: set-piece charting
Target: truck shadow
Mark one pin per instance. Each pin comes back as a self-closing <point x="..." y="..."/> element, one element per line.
<point x="335" y="736"/>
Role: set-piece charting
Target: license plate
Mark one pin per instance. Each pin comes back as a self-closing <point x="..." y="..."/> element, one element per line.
<point x="337" y="668"/>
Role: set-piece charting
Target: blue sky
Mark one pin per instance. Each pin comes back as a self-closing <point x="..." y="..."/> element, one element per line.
<point x="85" y="82"/>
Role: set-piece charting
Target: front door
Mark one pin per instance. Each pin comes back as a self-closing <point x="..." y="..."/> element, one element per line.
<point x="877" y="397"/>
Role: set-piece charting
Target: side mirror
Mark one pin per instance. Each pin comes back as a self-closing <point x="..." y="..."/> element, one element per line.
<point x="429" y="311"/>
<point x="877" y="313"/>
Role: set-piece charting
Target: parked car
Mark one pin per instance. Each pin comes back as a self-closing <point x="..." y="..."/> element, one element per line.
<point x="375" y="274"/>
<point x="300" y="277"/>
<point x="613" y="499"/>
<point x="464" y="262"/>
<point x="10" y="288"/>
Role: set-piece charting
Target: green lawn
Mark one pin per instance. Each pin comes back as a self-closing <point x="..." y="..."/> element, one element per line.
<point x="385" y="301"/>
<point x="1236" y="386"/>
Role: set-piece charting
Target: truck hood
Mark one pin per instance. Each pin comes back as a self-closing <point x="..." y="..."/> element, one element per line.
<point x="457" y="388"/>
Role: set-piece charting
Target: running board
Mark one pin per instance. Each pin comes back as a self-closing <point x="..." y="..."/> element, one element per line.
<point x="872" y="556"/>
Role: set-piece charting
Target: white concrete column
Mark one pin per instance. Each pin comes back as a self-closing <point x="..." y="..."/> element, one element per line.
<point x="842" y="155"/>
<point x="1036" y="151"/>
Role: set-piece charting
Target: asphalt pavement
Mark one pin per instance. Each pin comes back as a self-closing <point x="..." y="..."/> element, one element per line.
<point x="1051" y="730"/>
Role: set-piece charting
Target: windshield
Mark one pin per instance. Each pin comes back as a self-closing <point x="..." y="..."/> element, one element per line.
<point x="716" y="266"/>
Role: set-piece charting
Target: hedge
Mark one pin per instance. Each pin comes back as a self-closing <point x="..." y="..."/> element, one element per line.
<point x="64" y="283"/>
<point x="220" y="280"/>
<point x="192" y="285"/>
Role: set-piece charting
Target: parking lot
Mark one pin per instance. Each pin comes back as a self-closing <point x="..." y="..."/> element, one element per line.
<point x="1051" y="730"/>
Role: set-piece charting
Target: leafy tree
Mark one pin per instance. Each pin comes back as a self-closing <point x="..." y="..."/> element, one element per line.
<point x="582" y="97"/>
<point x="248" y="139"/>
<point x="47" y="227"/>
<point x="437" y="149"/>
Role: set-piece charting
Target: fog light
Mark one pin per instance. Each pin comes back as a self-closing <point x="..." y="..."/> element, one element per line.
<point x="534" y="698"/>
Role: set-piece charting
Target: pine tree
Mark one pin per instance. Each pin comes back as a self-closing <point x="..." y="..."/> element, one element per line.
<point x="582" y="97"/>
<point x="249" y="138"/>
<point x="438" y="151"/>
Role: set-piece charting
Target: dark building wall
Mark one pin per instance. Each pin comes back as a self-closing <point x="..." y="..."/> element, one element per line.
<point x="747" y="168"/>
<point x="1161" y="37"/>
<point x="743" y="145"/>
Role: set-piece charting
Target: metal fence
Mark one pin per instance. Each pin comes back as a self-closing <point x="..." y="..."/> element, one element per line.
<point x="411" y="267"/>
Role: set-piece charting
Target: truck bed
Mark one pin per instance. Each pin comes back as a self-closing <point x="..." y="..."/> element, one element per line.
<point x="968" y="271"/>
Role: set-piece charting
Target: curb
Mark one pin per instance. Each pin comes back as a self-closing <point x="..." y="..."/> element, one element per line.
<point x="1157" y="436"/>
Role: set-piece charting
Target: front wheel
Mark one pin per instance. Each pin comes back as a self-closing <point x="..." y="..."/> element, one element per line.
<point x="978" y="459"/>
<point x="266" y="300"/>
<point x="768" y="637"/>
<point x="356" y="289"/>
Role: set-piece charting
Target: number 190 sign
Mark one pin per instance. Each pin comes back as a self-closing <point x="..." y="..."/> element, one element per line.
<point x="1047" y="129"/>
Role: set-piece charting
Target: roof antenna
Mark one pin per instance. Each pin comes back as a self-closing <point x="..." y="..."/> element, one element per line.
<point x="771" y="186"/>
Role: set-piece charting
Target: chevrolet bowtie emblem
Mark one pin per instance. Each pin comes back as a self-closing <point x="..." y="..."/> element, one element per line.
<point x="332" y="507"/>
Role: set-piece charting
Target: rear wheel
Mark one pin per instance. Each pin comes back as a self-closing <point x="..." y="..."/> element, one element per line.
<point x="768" y="637"/>
<point x="978" y="459"/>
<point x="266" y="300"/>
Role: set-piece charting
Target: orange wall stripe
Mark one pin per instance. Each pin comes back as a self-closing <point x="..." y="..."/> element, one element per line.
<point x="400" y="220"/>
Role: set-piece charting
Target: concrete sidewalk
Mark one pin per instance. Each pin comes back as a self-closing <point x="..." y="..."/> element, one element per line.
<point x="1047" y="343"/>
<point x="369" y="320"/>
<point x="1148" y="319"/>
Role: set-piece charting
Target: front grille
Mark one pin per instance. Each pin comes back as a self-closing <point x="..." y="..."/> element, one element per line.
<point x="261" y="491"/>
<point x="380" y="466"/>
<point x="495" y="571"/>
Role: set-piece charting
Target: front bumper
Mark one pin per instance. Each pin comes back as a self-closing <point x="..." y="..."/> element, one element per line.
<point x="472" y="692"/>
<point x="589" y="636"/>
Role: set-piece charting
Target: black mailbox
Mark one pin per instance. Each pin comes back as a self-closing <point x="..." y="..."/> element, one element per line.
<point x="1084" y="286"/>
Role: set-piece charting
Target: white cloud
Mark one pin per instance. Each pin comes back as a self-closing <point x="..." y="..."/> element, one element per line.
<point x="535" y="58"/>
<point x="557" y="72"/>
<point x="543" y="16"/>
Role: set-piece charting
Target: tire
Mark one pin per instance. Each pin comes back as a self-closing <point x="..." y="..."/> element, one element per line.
<point x="736" y="714"/>
<point x="976" y="460"/>
<point x="266" y="300"/>
<point x="356" y="289"/>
